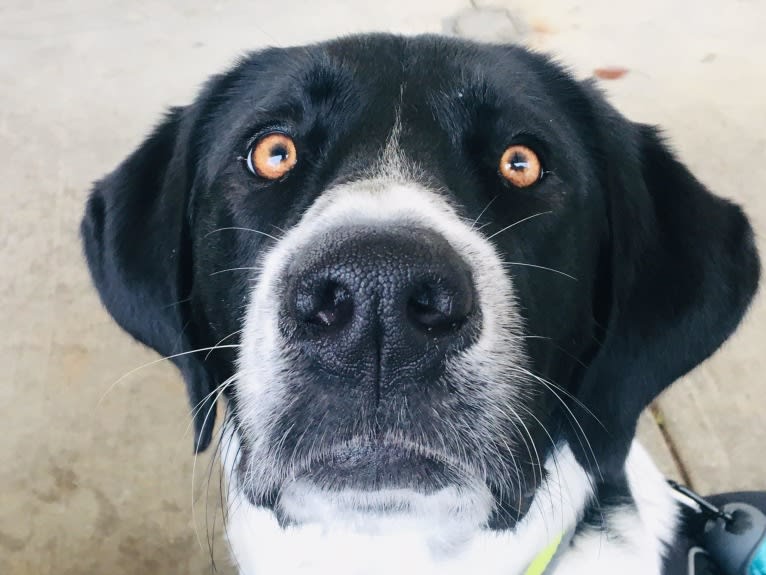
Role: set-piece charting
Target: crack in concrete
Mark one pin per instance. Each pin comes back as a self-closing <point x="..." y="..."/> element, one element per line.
<point x="659" y="418"/>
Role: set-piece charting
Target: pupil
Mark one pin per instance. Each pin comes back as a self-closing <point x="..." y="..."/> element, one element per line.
<point x="278" y="155"/>
<point x="519" y="162"/>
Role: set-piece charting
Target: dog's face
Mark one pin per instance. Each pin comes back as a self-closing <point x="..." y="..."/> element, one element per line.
<point x="424" y="263"/>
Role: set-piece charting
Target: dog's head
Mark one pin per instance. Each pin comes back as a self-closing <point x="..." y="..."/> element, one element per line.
<point x="422" y="263"/>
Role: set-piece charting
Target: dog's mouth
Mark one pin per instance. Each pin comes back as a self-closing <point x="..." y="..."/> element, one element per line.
<point x="369" y="466"/>
<point x="366" y="483"/>
<point x="383" y="475"/>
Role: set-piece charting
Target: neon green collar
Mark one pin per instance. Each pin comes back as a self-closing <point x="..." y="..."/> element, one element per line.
<point x="543" y="560"/>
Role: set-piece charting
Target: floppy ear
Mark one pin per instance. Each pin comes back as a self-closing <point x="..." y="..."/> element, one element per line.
<point x="683" y="269"/>
<point x="137" y="247"/>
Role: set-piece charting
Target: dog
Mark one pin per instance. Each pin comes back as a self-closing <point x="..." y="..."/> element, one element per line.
<point x="436" y="282"/>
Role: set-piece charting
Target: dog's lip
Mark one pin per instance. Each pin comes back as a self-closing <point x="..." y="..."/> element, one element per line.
<point x="353" y="452"/>
<point x="351" y="455"/>
<point x="369" y="464"/>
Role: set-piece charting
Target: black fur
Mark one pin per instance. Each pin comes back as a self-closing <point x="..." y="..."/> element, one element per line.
<point x="136" y="237"/>
<point x="664" y="269"/>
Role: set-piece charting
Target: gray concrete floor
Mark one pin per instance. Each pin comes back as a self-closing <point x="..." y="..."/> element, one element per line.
<point x="97" y="476"/>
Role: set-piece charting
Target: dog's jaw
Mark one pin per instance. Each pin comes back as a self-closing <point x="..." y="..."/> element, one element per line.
<point x="426" y="542"/>
<point x="632" y="539"/>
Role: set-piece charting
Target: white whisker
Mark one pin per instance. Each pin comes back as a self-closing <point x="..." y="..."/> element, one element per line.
<point x="481" y="213"/>
<point x="207" y="355"/>
<point x="541" y="268"/>
<point x="242" y="230"/>
<point x="250" y="268"/>
<point x="161" y="359"/>
<point x="221" y="388"/>
<point x="514" y="224"/>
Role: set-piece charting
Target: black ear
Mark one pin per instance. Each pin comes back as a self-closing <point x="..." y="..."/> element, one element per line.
<point x="683" y="269"/>
<point x="136" y="242"/>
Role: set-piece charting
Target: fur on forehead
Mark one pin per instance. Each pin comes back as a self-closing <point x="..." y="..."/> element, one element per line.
<point x="369" y="78"/>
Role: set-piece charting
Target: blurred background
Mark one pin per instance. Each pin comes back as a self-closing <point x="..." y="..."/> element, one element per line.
<point x="96" y="466"/>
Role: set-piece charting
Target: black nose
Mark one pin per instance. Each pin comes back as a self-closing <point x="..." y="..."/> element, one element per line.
<point x="382" y="305"/>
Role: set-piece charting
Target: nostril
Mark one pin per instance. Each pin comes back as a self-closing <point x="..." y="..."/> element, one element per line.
<point x="328" y="304"/>
<point x="438" y="310"/>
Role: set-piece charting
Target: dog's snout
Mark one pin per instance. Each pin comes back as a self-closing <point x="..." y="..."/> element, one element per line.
<point x="386" y="300"/>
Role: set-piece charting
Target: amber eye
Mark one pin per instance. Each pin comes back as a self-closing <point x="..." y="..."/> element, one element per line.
<point x="520" y="166"/>
<point x="272" y="156"/>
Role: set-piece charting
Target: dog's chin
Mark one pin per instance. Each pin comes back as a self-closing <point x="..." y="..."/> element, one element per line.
<point x="302" y="501"/>
<point x="369" y="467"/>
<point x="369" y="485"/>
